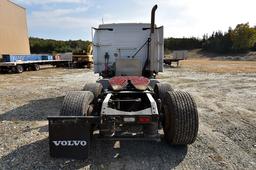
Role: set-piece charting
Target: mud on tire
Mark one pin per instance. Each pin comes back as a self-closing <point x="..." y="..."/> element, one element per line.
<point x="76" y="103"/>
<point x="180" y="122"/>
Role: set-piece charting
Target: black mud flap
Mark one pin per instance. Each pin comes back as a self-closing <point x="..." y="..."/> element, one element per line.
<point x="70" y="137"/>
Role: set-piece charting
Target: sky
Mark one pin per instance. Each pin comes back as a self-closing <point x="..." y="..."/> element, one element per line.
<point x="73" y="19"/>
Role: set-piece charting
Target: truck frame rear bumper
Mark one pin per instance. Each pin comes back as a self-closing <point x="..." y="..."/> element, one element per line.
<point x="151" y="111"/>
<point x="71" y="136"/>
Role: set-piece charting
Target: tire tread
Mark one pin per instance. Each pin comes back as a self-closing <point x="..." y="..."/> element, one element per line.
<point x="76" y="103"/>
<point x="182" y="116"/>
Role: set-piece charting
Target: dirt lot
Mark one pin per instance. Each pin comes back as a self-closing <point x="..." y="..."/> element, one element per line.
<point x="227" y="108"/>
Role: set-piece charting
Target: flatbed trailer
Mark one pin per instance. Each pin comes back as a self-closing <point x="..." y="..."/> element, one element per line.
<point x="20" y="66"/>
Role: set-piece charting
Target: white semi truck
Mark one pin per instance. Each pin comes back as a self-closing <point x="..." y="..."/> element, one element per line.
<point x="127" y="102"/>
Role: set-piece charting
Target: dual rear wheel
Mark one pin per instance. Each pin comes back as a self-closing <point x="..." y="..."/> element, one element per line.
<point x="180" y="116"/>
<point x="80" y="103"/>
<point x="77" y="103"/>
<point x="20" y="68"/>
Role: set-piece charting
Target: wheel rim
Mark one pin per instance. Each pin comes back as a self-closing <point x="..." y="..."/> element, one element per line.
<point x="19" y="69"/>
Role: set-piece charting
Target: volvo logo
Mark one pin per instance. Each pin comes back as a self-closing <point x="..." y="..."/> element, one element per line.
<point x="70" y="143"/>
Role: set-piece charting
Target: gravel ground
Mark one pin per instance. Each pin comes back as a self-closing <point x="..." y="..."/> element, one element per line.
<point x="226" y="139"/>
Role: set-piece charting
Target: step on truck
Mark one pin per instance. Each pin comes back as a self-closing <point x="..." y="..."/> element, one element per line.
<point x="127" y="102"/>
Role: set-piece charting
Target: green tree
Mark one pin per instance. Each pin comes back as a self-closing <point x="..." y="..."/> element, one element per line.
<point x="218" y="42"/>
<point x="182" y="43"/>
<point x="39" y="45"/>
<point x="243" y="37"/>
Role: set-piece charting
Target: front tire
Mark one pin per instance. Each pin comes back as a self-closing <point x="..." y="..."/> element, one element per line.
<point x="180" y="122"/>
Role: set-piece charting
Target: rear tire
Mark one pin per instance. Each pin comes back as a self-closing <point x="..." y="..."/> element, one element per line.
<point x="180" y="122"/>
<point x="36" y="67"/>
<point x="19" y="69"/>
<point x="76" y="103"/>
<point x="3" y="70"/>
<point x="162" y="88"/>
<point x="95" y="88"/>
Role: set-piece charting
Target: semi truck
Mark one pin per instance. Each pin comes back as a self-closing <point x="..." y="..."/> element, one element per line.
<point x="127" y="102"/>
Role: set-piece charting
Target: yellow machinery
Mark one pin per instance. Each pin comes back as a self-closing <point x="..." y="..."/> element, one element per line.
<point x="84" y="58"/>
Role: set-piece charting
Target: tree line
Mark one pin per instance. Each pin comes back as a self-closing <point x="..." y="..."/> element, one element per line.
<point x="240" y="39"/>
<point x="39" y="46"/>
<point x="182" y="44"/>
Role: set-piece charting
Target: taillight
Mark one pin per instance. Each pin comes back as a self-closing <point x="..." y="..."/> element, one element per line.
<point x="144" y="119"/>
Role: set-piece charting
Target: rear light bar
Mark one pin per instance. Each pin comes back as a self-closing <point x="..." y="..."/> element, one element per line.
<point x="129" y="119"/>
<point x="143" y="119"/>
<point x="140" y="119"/>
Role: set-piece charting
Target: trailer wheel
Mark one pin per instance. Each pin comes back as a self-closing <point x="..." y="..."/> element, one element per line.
<point x="161" y="88"/>
<point x="95" y="88"/>
<point x="180" y="122"/>
<point x="3" y="70"/>
<point x="76" y="103"/>
<point x="36" y="67"/>
<point x="19" y="69"/>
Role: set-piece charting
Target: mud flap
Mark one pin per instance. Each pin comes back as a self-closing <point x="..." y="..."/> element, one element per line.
<point x="70" y="137"/>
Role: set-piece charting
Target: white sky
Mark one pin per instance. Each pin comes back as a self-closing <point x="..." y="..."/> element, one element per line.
<point x="72" y="19"/>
